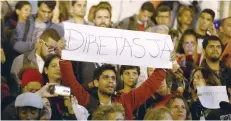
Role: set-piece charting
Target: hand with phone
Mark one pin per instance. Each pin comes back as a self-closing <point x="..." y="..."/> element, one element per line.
<point x="60" y="90"/>
<point x="44" y="91"/>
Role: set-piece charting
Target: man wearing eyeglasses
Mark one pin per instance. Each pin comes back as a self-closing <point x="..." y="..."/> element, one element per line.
<point x="50" y="43"/>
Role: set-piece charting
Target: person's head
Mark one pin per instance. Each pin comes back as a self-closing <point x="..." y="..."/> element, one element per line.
<point x="225" y="27"/>
<point x="185" y="16"/>
<point x="52" y="70"/>
<point x="105" y="79"/>
<point x="46" y="112"/>
<point x="79" y="8"/>
<point x="188" y="43"/>
<point x="161" y="113"/>
<point x="23" y="9"/>
<point x="29" y="106"/>
<point x="129" y="75"/>
<point x="212" y="48"/>
<point x="45" y="10"/>
<point x="205" y="20"/>
<point x="178" y="107"/>
<point x="32" y="80"/>
<point x="163" y="15"/>
<point x="102" y="15"/>
<point x="109" y="112"/>
<point x="91" y="13"/>
<point x="150" y="71"/>
<point x="160" y="29"/>
<point x="197" y="78"/>
<point x="48" y="43"/>
<point x="146" y="12"/>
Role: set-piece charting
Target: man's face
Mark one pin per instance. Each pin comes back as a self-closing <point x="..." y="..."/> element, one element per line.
<point x="189" y="44"/>
<point x="163" y="18"/>
<point x="163" y="89"/>
<point x="32" y="87"/>
<point x="102" y="18"/>
<point x="226" y="28"/>
<point x="44" y="13"/>
<point x="186" y="17"/>
<point x="79" y="8"/>
<point x="213" y="50"/>
<point x="205" y="21"/>
<point x="107" y="82"/>
<point x="28" y="113"/>
<point x="130" y="77"/>
<point x="48" y="47"/>
<point x="145" y="15"/>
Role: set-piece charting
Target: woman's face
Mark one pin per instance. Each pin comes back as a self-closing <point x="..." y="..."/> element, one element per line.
<point x="24" y="12"/>
<point x="53" y="71"/>
<point x="189" y="44"/>
<point x="198" y="79"/>
<point x="178" y="109"/>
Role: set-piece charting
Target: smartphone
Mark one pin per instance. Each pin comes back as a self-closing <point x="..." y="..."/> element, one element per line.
<point x="60" y="90"/>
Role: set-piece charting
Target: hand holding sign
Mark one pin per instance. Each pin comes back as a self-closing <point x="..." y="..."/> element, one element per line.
<point x="211" y="96"/>
<point x="115" y="46"/>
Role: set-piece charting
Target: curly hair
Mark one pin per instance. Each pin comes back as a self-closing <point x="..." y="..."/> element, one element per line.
<point x="103" y="111"/>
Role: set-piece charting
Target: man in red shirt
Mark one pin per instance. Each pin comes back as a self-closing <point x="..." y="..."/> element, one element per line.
<point x="105" y="77"/>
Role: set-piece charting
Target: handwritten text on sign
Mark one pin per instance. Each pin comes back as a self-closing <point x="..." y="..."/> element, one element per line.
<point x="115" y="46"/>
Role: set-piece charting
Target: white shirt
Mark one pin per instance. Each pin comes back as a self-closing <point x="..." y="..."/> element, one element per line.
<point x="40" y="63"/>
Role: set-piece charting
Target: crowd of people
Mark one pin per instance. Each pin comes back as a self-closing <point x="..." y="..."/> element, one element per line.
<point x="31" y="63"/>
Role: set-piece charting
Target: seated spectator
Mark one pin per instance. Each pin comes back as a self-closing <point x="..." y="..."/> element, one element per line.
<point x="52" y="75"/>
<point x="29" y="106"/>
<point x="184" y="18"/>
<point x="179" y="108"/>
<point x="197" y="79"/>
<point x="27" y="33"/>
<point x="189" y="59"/>
<point x="47" y="45"/>
<point x="32" y="81"/>
<point x="21" y="13"/>
<point x="224" y="112"/>
<point x="141" y="21"/>
<point x="105" y="77"/>
<point x="225" y="30"/>
<point x="212" y="48"/>
<point x="115" y="111"/>
<point x="91" y="14"/>
<point x="161" y="113"/>
<point x="204" y="24"/>
<point x="163" y="15"/>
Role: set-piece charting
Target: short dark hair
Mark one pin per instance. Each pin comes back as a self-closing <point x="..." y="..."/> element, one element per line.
<point x="209" y="11"/>
<point x="50" y="4"/>
<point x="50" y="33"/>
<point x="162" y="8"/>
<point x="210" y="38"/>
<point x="46" y="64"/>
<point x="101" y="69"/>
<point x="20" y="4"/>
<point x="125" y="67"/>
<point x="180" y="44"/>
<point x="223" y="20"/>
<point x="74" y="1"/>
<point x="148" y="6"/>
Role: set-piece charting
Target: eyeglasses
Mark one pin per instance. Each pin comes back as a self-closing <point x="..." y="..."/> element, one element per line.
<point x="50" y="47"/>
<point x="106" y="77"/>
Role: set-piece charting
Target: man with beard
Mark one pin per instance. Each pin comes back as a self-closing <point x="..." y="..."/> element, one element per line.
<point x="47" y="45"/>
<point x="212" y="48"/>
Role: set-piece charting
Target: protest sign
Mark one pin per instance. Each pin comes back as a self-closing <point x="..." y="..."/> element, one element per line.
<point x="211" y="96"/>
<point x="116" y="46"/>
